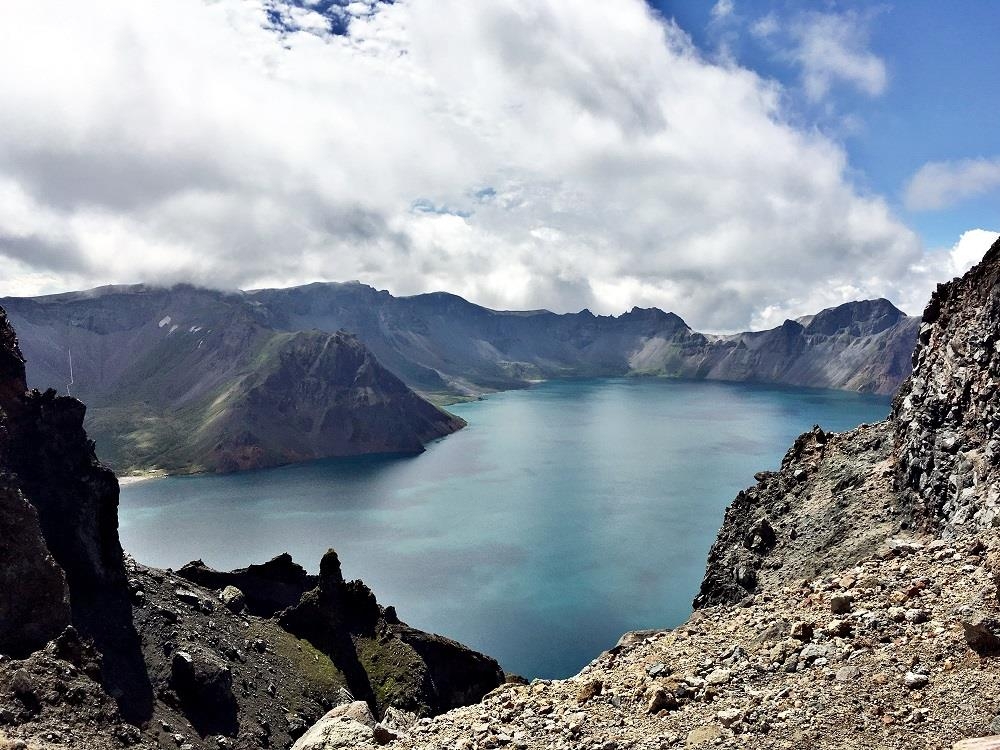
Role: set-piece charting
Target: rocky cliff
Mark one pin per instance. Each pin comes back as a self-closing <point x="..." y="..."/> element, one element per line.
<point x="930" y="466"/>
<point x="946" y="417"/>
<point x="99" y="651"/>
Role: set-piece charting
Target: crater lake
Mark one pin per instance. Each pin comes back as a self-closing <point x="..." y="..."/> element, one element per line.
<point x="563" y="516"/>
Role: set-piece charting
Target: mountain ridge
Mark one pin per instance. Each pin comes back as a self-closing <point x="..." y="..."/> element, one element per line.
<point x="185" y="392"/>
<point x="164" y="369"/>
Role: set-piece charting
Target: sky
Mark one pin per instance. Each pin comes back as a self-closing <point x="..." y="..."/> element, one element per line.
<point x="735" y="162"/>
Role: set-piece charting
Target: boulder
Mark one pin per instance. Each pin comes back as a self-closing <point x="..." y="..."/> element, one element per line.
<point x="981" y="633"/>
<point x="338" y="729"/>
<point x="233" y="599"/>
<point x="204" y="686"/>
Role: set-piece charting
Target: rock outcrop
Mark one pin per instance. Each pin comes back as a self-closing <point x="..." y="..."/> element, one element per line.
<point x="267" y="588"/>
<point x="412" y="670"/>
<point x="48" y="461"/>
<point x="930" y="466"/>
<point x="947" y="415"/>
<point x="34" y="600"/>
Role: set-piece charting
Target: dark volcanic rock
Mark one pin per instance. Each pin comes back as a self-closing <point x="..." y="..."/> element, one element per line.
<point x="34" y="600"/>
<point x="268" y="587"/>
<point x="205" y="687"/>
<point x="411" y="670"/>
<point x="52" y="463"/>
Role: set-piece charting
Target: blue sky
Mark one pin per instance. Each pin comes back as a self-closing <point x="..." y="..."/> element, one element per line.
<point x="939" y="102"/>
<point x="736" y="163"/>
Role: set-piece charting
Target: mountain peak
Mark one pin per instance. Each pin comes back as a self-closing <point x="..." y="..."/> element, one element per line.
<point x="654" y="315"/>
<point x="860" y="318"/>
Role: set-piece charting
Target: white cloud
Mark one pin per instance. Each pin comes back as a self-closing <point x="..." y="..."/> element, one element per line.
<point x="513" y="152"/>
<point x="940" y="184"/>
<point x="941" y="265"/>
<point x="765" y="26"/>
<point x="833" y="48"/>
<point x="723" y="9"/>
<point x="969" y="250"/>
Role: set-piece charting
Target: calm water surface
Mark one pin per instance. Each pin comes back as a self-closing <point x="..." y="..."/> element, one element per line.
<point x="563" y="516"/>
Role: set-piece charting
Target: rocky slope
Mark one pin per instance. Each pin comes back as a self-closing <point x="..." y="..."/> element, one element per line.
<point x="99" y="651"/>
<point x="850" y="601"/>
<point x="190" y="380"/>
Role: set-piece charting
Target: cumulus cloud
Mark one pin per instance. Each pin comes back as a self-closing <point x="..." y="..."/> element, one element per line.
<point x="513" y="152"/>
<point x="943" y="264"/>
<point x="940" y="184"/>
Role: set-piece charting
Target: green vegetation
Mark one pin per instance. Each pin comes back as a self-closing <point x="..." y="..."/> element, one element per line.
<point x="396" y="672"/>
<point x="303" y="658"/>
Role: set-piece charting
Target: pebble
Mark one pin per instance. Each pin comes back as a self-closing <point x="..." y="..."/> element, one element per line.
<point x="915" y="680"/>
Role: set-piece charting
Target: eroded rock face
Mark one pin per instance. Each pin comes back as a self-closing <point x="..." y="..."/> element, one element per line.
<point x="947" y="415"/>
<point x="932" y="465"/>
<point x="34" y="598"/>
<point x="46" y="458"/>
<point x="204" y="684"/>
<point x="831" y="503"/>
<point x="268" y="588"/>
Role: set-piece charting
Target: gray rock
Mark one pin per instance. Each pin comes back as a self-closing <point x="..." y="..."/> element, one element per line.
<point x="813" y="651"/>
<point x="356" y="711"/>
<point x="205" y="687"/>
<point x="233" y="599"/>
<point x="729" y="717"/>
<point x="719" y="677"/>
<point x="335" y="731"/>
<point x="840" y="604"/>
<point x="398" y="720"/>
<point x="848" y="674"/>
<point x="915" y="680"/>
<point x="657" y="670"/>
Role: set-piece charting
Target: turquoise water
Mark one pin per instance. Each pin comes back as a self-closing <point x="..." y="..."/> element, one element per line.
<point x="563" y="516"/>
